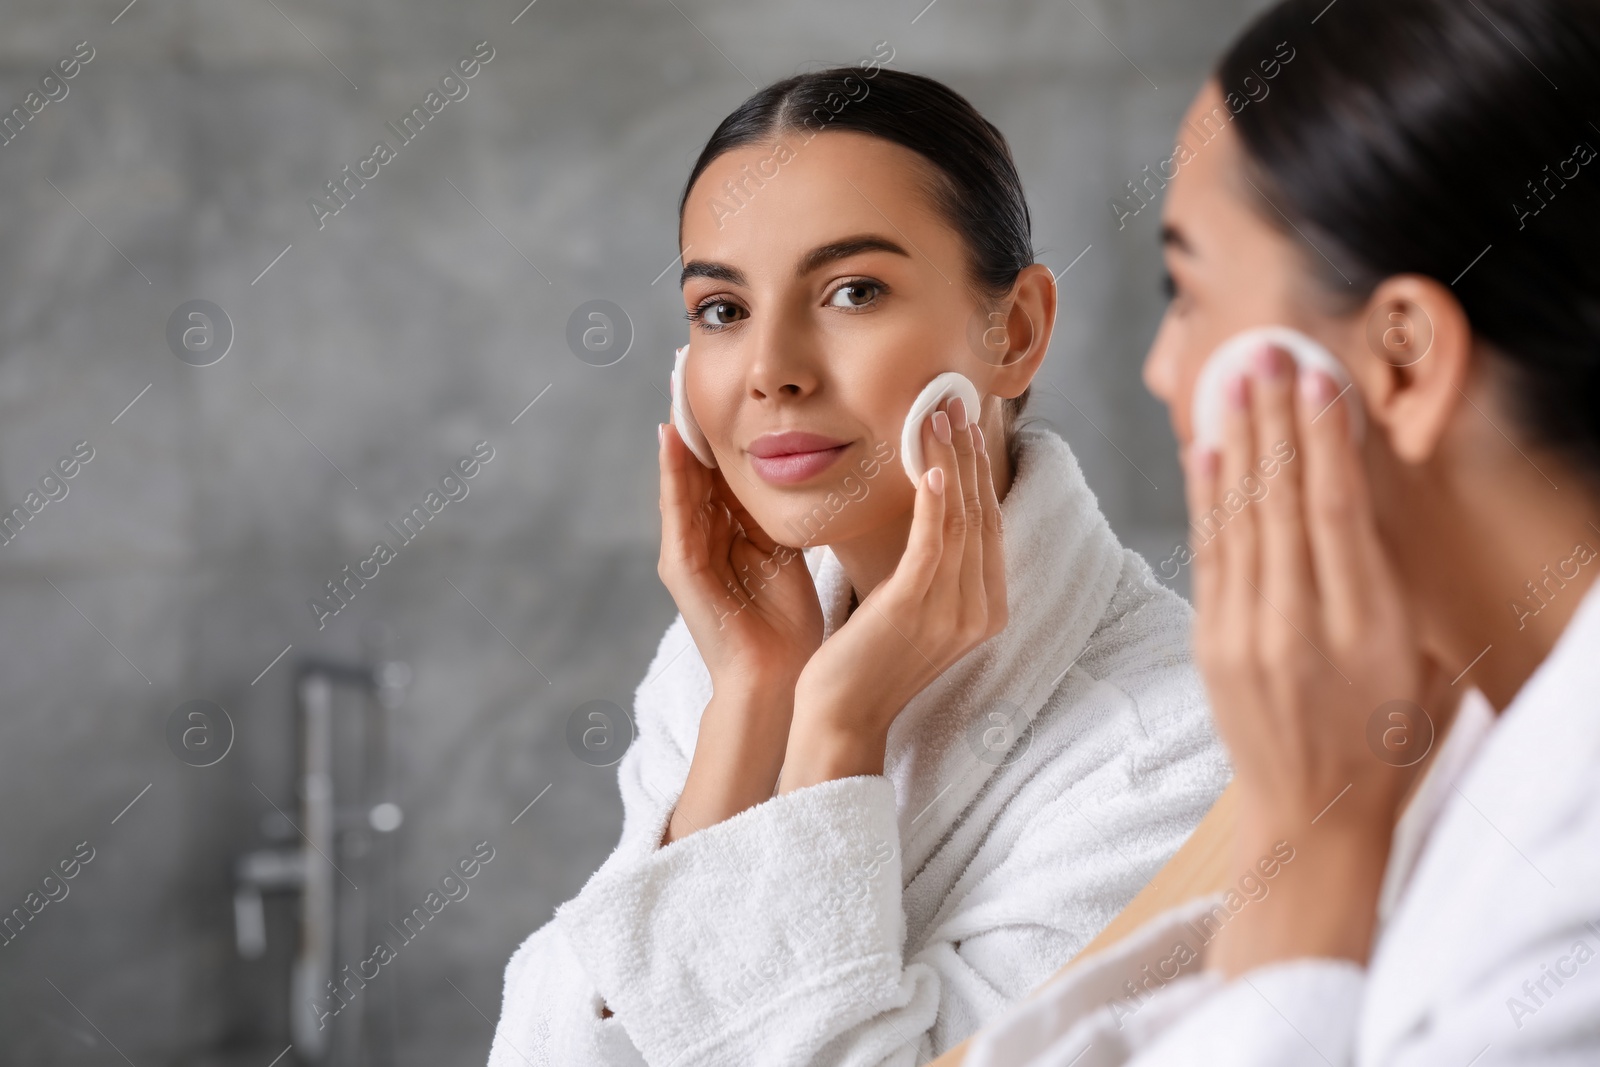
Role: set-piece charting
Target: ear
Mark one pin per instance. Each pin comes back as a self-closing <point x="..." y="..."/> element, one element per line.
<point x="1411" y="362"/>
<point x="1028" y="314"/>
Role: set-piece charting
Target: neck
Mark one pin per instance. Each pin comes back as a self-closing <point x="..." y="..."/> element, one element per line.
<point x="870" y="558"/>
<point x="1509" y="560"/>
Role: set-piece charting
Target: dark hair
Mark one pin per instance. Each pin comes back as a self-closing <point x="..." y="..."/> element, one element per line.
<point x="1416" y="136"/>
<point x="975" y="183"/>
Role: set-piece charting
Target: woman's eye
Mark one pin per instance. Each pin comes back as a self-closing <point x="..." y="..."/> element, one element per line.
<point x="717" y="313"/>
<point x="855" y="295"/>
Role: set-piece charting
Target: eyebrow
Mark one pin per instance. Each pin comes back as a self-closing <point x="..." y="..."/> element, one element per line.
<point x="1172" y="237"/>
<point x="818" y="257"/>
<point x="701" y="268"/>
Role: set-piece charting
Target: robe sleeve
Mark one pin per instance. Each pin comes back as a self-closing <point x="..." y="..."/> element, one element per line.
<point x="774" y="936"/>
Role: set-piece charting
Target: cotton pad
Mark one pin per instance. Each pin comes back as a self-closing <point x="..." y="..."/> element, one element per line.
<point x="1233" y="357"/>
<point x="947" y="385"/>
<point x="683" y="419"/>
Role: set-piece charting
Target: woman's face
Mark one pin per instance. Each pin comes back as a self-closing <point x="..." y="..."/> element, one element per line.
<point x="1231" y="270"/>
<point x="1228" y="269"/>
<point x="824" y="291"/>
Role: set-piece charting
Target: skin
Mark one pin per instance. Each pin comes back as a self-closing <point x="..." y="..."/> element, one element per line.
<point x="824" y="304"/>
<point x="1371" y="571"/>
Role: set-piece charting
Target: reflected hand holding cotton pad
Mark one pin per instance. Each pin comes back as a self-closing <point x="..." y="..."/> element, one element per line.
<point x="683" y="419"/>
<point x="1232" y="358"/>
<point x="945" y="386"/>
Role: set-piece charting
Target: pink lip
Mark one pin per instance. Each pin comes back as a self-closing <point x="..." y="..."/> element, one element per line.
<point x="794" y="456"/>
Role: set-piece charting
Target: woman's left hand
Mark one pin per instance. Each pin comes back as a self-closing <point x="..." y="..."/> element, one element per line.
<point x="946" y="596"/>
<point x="1304" y="640"/>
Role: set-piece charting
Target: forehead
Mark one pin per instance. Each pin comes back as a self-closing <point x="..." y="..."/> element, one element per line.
<point x="773" y="200"/>
<point x="1231" y="236"/>
<point x="1203" y="196"/>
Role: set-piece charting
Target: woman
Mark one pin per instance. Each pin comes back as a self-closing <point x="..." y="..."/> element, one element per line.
<point x="858" y="768"/>
<point x="1418" y="192"/>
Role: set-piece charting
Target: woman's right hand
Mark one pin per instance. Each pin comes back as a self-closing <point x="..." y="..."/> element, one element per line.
<point x="753" y="612"/>
<point x="749" y="602"/>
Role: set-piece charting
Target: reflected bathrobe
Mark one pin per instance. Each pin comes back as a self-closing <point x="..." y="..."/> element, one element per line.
<point x="1027" y="795"/>
<point x="1488" y="948"/>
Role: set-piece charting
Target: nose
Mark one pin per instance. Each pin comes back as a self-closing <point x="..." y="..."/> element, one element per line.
<point x="1157" y="371"/>
<point x="784" y="362"/>
<point x="1160" y="375"/>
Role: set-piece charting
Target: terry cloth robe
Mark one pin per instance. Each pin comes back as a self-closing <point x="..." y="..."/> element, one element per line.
<point x="1027" y="795"/>
<point x="1488" y="948"/>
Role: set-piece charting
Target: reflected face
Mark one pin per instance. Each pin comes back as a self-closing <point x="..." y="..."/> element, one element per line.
<point x="824" y="290"/>
<point x="1227" y="269"/>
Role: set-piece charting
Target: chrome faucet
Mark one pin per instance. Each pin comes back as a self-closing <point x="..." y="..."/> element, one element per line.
<point x="328" y="916"/>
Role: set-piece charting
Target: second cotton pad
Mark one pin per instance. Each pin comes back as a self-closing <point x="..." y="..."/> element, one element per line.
<point x="688" y="429"/>
<point x="1232" y="358"/>
<point x="945" y="386"/>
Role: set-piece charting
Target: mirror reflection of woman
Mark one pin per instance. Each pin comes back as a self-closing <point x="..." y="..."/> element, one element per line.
<point x="1421" y="193"/>
<point x="885" y="786"/>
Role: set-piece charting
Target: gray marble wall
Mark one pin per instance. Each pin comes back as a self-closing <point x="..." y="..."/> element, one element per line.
<point x="369" y="353"/>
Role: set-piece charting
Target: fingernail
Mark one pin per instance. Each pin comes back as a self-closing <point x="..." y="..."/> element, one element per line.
<point x="661" y="433"/>
<point x="977" y="434"/>
<point x="1317" y="388"/>
<point x="1267" y="363"/>
<point x="941" y="427"/>
<point x="1202" y="460"/>
<point x="958" y="414"/>
<point x="936" y="480"/>
<point x="1236" y="391"/>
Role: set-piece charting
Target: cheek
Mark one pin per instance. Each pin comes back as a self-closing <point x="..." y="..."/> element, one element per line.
<point x="877" y="369"/>
<point x="714" y="384"/>
<point x="1181" y="348"/>
<point x="1189" y="362"/>
<point x="880" y="400"/>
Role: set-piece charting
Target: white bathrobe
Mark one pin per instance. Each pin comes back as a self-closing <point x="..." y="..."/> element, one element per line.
<point x="1028" y="794"/>
<point x="1488" y="950"/>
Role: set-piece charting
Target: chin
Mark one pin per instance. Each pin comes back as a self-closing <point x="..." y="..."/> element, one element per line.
<point x="809" y="522"/>
<point x="818" y="518"/>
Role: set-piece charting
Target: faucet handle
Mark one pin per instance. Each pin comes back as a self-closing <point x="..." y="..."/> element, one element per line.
<point x="249" y="923"/>
<point x="266" y="868"/>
